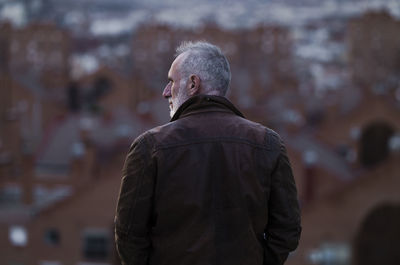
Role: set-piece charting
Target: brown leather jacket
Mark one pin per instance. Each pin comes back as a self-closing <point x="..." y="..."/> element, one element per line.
<point x="210" y="187"/>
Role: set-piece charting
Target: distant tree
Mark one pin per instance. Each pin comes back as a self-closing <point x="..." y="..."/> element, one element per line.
<point x="73" y="97"/>
<point x="100" y="87"/>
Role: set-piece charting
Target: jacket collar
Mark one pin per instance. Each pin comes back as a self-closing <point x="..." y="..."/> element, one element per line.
<point x="205" y="103"/>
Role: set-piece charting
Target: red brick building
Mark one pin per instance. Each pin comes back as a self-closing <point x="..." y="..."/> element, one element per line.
<point x="57" y="203"/>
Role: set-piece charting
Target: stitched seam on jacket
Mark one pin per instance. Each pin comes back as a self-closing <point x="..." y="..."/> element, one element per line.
<point x="139" y="183"/>
<point x="211" y="140"/>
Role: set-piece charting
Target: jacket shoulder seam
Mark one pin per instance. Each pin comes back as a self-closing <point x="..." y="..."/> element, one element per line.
<point x="210" y="140"/>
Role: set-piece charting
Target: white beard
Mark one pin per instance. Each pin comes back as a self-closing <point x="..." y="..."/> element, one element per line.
<point x="179" y="100"/>
<point x="171" y="108"/>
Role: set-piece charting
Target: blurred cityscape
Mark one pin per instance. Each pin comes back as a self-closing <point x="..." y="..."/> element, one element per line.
<point x="80" y="79"/>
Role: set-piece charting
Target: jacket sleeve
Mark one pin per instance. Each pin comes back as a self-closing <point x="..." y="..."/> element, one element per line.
<point x="133" y="215"/>
<point x="282" y="232"/>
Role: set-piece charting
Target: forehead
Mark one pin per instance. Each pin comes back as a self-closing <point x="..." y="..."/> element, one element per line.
<point x="176" y="64"/>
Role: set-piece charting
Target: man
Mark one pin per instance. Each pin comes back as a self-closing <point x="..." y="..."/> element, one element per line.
<point x="210" y="187"/>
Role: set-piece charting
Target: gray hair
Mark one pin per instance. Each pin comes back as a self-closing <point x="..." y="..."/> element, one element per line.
<point x="207" y="62"/>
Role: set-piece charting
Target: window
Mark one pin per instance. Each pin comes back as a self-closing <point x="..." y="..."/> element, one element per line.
<point x="96" y="244"/>
<point x="18" y="236"/>
<point x="52" y="237"/>
<point x="11" y="194"/>
<point x="337" y="253"/>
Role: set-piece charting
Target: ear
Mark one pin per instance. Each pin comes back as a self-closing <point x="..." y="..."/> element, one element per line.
<point x="194" y="85"/>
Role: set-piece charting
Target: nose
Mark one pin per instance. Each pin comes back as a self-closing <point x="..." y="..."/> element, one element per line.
<point x="167" y="91"/>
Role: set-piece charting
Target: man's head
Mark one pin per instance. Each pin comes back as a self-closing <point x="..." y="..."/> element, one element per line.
<point x="199" y="68"/>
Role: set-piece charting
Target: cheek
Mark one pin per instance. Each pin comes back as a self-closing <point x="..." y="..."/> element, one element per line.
<point x="174" y="90"/>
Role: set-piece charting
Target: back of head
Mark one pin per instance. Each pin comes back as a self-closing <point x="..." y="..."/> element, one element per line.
<point x="207" y="62"/>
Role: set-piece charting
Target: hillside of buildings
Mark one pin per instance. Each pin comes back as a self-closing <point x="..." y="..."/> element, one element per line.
<point x="75" y="92"/>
